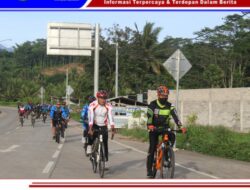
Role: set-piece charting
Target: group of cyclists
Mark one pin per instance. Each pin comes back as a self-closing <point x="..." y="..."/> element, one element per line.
<point x="35" y="110"/>
<point x="97" y="114"/>
<point x="58" y="112"/>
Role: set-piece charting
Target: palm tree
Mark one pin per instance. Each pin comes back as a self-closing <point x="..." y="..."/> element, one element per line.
<point x="148" y="41"/>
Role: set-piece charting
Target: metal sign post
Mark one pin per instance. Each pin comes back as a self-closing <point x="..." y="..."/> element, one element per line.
<point x="177" y="65"/>
<point x="74" y="39"/>
<point x="42" y="90"/>
<point x="97" y="49"/>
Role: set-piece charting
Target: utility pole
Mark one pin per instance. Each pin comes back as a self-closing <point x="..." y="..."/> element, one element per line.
<point x="116" y="69"/>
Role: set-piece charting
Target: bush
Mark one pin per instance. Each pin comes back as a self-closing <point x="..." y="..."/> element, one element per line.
<point x="138" y="133"/>
<point x="216" y="141"/>
<point x="191" y="119"/>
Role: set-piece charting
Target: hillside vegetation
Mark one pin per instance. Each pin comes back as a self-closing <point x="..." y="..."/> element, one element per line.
<point x="220" y="58"/>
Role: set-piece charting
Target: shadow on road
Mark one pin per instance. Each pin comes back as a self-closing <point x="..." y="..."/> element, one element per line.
<point x="124" y="167"/>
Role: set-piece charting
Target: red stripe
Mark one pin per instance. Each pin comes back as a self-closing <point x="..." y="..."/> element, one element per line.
<point x="168" y="4"/>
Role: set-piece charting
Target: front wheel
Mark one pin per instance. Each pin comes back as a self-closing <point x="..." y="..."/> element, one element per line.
<point x="93" y="156"/>
<point x="58" y="134"/>
<point x="101" y="160"/>
<point x="168" y="163"/>
<point x="33" y="122"/>
<point x="21" y="121"/>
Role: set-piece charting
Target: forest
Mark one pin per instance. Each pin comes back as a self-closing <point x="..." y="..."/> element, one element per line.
<point x="220" y="58"/>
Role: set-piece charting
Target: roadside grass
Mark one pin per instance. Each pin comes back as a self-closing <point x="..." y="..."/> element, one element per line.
<point x="215" y="141"/>
<point x="11" y="104"/>
<point x="75" y="116"/>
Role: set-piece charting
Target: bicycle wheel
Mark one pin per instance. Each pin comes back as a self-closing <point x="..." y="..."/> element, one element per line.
<point x="33" y="122"/>
<point x="168" y="163"/>
<point x="58" y="134"/>
<point x="93" y="157"/>
<point x="62" y="131"/>
<point x="101" y="160"/>
<point x="21" y="120"/>
<point x="154" y="166"/>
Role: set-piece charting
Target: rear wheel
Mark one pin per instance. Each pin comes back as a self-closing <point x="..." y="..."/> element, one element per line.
<point x="168" y="163"/>
<point x="101" y="160"/>
<point x="58" y="134"/>
<point x="21" y="121"/>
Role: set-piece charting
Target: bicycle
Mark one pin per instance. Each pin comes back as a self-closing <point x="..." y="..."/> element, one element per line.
<point x="21" y="119"/>
<point x="33" y="118"/>
<point x="97" y="157"/>
<point x="164" y="157"/>
<point x="58" y="126"/>
<point x="44" y="117"/>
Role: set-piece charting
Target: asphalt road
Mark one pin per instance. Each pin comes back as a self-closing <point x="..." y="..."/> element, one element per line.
<point x="30" y="153"/>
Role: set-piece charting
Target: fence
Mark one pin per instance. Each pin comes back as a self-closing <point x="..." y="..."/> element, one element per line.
<point x="227" y="107"/>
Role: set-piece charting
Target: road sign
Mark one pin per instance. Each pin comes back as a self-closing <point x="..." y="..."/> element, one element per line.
<point x="177" y="65"/>
<point x="171" y="64"/>
<point x="70" y="90"/>
<point x="69" y="39"/>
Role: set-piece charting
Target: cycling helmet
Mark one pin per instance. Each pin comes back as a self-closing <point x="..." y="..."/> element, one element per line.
<point x="162" y="91"/>
<point x="102" y="94"/>
<point x="91" y="99"/>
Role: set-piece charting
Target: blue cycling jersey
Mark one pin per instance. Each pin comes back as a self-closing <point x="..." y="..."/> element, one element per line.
<point x="84" y="116"/>
<point x="53" y="111"/>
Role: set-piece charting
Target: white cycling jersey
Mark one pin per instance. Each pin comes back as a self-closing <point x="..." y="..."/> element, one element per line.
<point x="100" y="115"/>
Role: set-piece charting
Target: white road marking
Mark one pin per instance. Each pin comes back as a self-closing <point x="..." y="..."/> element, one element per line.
<point x="145" y="153"/>
<point x="8" y="133"/>
<point x="60" y="146"/>
<point x="48" y="167"/>
<point x="10" y="148"/>
<point x="196" y="171"/>
<point x="17" y="127"/>
<point x="55" y="155"/>
<point x="130" y="147"/>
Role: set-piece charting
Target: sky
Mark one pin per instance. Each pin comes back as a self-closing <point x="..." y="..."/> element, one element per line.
<point x="29" y="26"/>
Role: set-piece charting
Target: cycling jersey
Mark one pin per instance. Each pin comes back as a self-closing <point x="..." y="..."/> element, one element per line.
<point x="65" y="112"/>
<point x="21" y="111"/>
<point x="100" y="114"/>
<point x="84" y="116"/>
<point x="56" y="113"/>
<point x="159" y="115"/>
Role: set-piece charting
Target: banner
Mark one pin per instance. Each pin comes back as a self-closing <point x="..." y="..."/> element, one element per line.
<point x="124" y="4"/>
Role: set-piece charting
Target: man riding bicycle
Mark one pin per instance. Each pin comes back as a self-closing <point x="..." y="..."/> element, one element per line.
<point x="159" y="112"/>
<point x="55" y="115"/>
<point x="84" y="118"/>
<point x="100" y="112"/>
<point x="66" y="114"/>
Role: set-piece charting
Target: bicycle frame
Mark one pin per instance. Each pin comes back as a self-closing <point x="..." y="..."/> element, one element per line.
<point x="98" y="155"/>
<point x="163" y="148"/>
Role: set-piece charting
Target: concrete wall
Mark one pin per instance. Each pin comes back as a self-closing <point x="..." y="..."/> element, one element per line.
<point x="227" y="107"/>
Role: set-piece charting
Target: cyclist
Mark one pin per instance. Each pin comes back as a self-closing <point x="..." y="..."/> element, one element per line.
<point x="84" y="118"/>
<point x="28" y="107"/>
<point x="159" y="112"/>
<point x="55" y="115"/>
<point x="44" y="110"/>
<point x="21" y="110"/>
<point x="66" y="114"/>
<point x="100" y="112"/>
